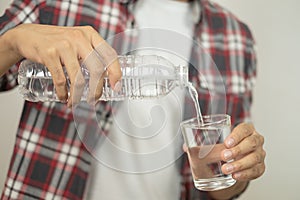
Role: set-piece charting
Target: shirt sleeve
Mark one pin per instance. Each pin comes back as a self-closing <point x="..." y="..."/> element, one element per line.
<point x="239" y="102"/>
<point x="19" y="12"/>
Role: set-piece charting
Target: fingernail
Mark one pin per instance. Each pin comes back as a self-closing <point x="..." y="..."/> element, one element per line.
<point x="230" y="142"/>
<point x="229" y="168"/>
<point x="184" y="147"/>
<point x="237" y="175"/>
<point x="227" y="154"/>
<point x="118" y="86"/>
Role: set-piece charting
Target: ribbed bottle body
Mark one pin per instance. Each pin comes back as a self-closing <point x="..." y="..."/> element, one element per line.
<point x="143" y="76"/>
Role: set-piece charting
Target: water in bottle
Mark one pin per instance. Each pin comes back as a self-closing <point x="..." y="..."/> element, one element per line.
<point x="143" y="76"/>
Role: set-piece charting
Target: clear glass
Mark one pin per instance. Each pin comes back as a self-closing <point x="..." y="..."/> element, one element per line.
<point x="143" y="76"/>
<point x="205" y="142"/>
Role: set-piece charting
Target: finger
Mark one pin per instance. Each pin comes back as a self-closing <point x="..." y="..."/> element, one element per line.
<point x="70" y="60"/>
<point x="89" y="66"/>
<point x="112" y="65"/>
<point x="88" y="43"/>
<point x="55" y="67"/>
<point x="184" y="147"/>
<point x="115" y="75"/>
<point x="244" y="163"/>
<point x="238" y="134"/>
<point x="250" y="173"/>
<point x="77" y="83"/>
<point x="95" y="66"/>
<point x="95" y="91"/>
<point x="95" y="38"/>
<point x="246" y="146"/>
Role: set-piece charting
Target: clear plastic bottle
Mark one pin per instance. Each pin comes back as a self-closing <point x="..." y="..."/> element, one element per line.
<point x="143" y="76"/>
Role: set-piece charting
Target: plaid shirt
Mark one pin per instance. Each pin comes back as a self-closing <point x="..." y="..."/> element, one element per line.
<point x="49" y="161"/>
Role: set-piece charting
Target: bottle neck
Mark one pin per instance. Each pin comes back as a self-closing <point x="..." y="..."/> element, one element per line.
<point x="182" y="75"/>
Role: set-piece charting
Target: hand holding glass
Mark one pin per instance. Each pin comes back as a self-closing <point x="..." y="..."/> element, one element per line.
<point x="205" y="142"/>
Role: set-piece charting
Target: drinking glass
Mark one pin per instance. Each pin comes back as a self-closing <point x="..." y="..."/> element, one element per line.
<point x="204" y="139"/>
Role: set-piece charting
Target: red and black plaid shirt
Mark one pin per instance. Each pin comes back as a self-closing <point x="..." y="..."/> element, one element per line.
<point x="49" y="161"/>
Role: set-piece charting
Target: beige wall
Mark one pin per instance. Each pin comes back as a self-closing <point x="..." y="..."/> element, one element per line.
<point x="276" y="98"/>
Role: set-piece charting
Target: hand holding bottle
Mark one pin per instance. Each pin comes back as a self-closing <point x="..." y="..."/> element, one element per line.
<point x="143" y="76"/>
<point x="58" y="47"/>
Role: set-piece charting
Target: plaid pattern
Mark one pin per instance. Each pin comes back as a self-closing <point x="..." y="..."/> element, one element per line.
<point x="49" y="161"/>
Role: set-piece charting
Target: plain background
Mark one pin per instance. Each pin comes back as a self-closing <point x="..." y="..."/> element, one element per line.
<point x="276" y="28"/>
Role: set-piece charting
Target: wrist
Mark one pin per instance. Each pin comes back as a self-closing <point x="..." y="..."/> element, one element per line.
<point x="8" y="55"/>
<point x="10" y="41"/>
<point x="10" y="38"/>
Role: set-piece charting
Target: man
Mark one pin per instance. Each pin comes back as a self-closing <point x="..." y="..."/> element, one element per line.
<point x="49" y="160"/>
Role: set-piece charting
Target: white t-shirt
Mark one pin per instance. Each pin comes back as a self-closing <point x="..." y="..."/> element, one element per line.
<point x="139" y="153"/>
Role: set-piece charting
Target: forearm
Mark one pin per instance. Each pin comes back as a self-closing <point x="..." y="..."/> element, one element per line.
<point x="8" y="56"/>
<point x="230" y="192"/>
